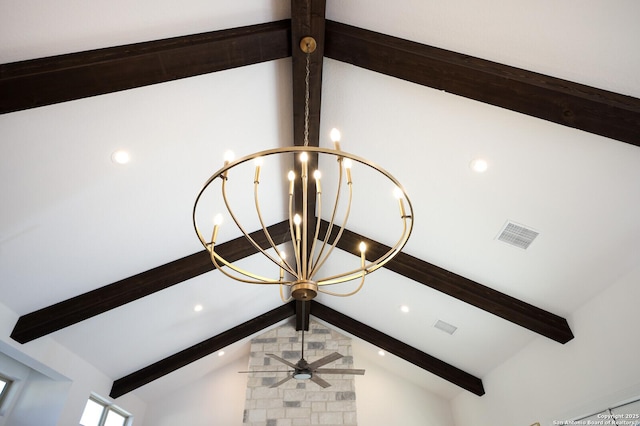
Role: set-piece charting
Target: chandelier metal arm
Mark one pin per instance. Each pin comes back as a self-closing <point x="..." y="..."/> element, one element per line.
<point x="327" y="235"/>
<point x="371" y="266"/>
<point x="317" y="232"/>
<point x="282" y="295"/>
<point x="363" y="274"/>
<point x="244" y="232"/>
<point x="340" y="231"/>
<point x="294" y="238"/>
<point x="282" y="263"/>
<point x="314" y="269"/>
<point x="257" y="279"/>
<point x="332" y="293"/>
<point x="391" y="253"/>
<point x="305" y="221"/>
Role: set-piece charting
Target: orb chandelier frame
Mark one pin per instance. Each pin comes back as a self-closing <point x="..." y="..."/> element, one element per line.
<point x="310" y="249"/>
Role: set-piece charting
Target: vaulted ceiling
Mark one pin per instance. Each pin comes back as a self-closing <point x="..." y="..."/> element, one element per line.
<point x="90" y="249"/>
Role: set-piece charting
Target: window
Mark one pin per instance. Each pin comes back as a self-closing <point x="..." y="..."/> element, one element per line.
<point x="5" y="384"/>
<point x="100" y="413"/>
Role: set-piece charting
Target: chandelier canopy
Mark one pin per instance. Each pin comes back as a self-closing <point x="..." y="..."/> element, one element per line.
<point x="299" y="258"/>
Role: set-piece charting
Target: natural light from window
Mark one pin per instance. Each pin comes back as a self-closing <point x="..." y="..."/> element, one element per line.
<point x="92" y="413"/>
<point x="98" y="413"/>
<point x="5" y="383"/>
<point x="114" y="419"/>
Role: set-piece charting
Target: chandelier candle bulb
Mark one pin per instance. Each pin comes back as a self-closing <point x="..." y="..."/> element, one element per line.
<point x="258" y="162"/>
<point x="296" y="221"/>
<point x="335" y="138"/>
<point x="228" y="158"/>
<point x="304" y="159"/>
<point x="397" y="192"/>
<point x="347" y="166"/>
<point x="282" y="257"/>
<point x="292" y="177"/>
<point x="316" y="176"/>
<point x="217" y="221"/>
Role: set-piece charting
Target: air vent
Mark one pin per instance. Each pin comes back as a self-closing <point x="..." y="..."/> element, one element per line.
<point x="517" y="235"/>
<point x="445" y="326"/>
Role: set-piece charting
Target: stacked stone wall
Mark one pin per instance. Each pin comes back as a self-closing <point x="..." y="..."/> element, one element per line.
<point x="299" y="402"/>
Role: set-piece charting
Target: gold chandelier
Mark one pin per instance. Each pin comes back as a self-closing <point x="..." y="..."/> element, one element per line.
<point x="298" y="275"/>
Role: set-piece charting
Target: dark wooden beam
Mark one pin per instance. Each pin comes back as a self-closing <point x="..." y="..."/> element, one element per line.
<point x="464" y="289"/>
<point x="571" y="104"/>
<point x="71" y="311"/>
<point x="187" y="356"/>
<point x="383" y="341"/>
<point x="307" y="19"/>
<point x="39" y="82"/>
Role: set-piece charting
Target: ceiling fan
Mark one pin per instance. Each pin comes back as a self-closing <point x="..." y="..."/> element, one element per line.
<point x="302" y="370"/>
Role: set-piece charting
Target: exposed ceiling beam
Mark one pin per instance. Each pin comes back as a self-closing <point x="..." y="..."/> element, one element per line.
<point x="163" y="367"/>
<point x="46" y="81"/>
<point x="464" y="289"/>
<point x="174" y="362"/>
<point x="434" y="365"/>
<point x="307" y="19"/>
<point x="571" y="104"/>
<point x="71" y="311"/>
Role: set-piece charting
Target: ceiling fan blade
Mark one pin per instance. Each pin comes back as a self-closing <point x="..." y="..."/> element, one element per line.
<point x="286" y="379"/>
<point x="357" y="371"/>
<point x="267" y="371"/>
<point x="326" y="360"/>
<point x="319" y="381"/>
<point x="282" y="360"/>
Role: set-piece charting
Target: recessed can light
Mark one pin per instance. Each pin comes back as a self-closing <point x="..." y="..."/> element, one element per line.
<point x="479" y="165"/>
<point x="197" y="308"/>
<point x="381" y="352"/>
<point x="404" y="308"/>
<point x="220" y="353"/>
<point x="120" y="157"/>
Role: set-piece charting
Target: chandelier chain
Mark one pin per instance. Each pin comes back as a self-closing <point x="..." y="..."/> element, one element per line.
<point x="306" y="100"/>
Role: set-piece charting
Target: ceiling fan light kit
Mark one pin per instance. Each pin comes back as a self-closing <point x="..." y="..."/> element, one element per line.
<point x="299" y="274"/>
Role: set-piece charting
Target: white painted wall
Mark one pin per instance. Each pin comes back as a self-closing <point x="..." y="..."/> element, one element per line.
<point x="19" y="374"/>
<point x="384" y="400"/>
<point x="40" y="401"/>
<point x="548" y="381"/>
<point x="217" y="399"/>
<point x="58" y="383"/>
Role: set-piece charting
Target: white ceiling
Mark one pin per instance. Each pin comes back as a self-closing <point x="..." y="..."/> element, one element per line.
<point x="73" y="221"/>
